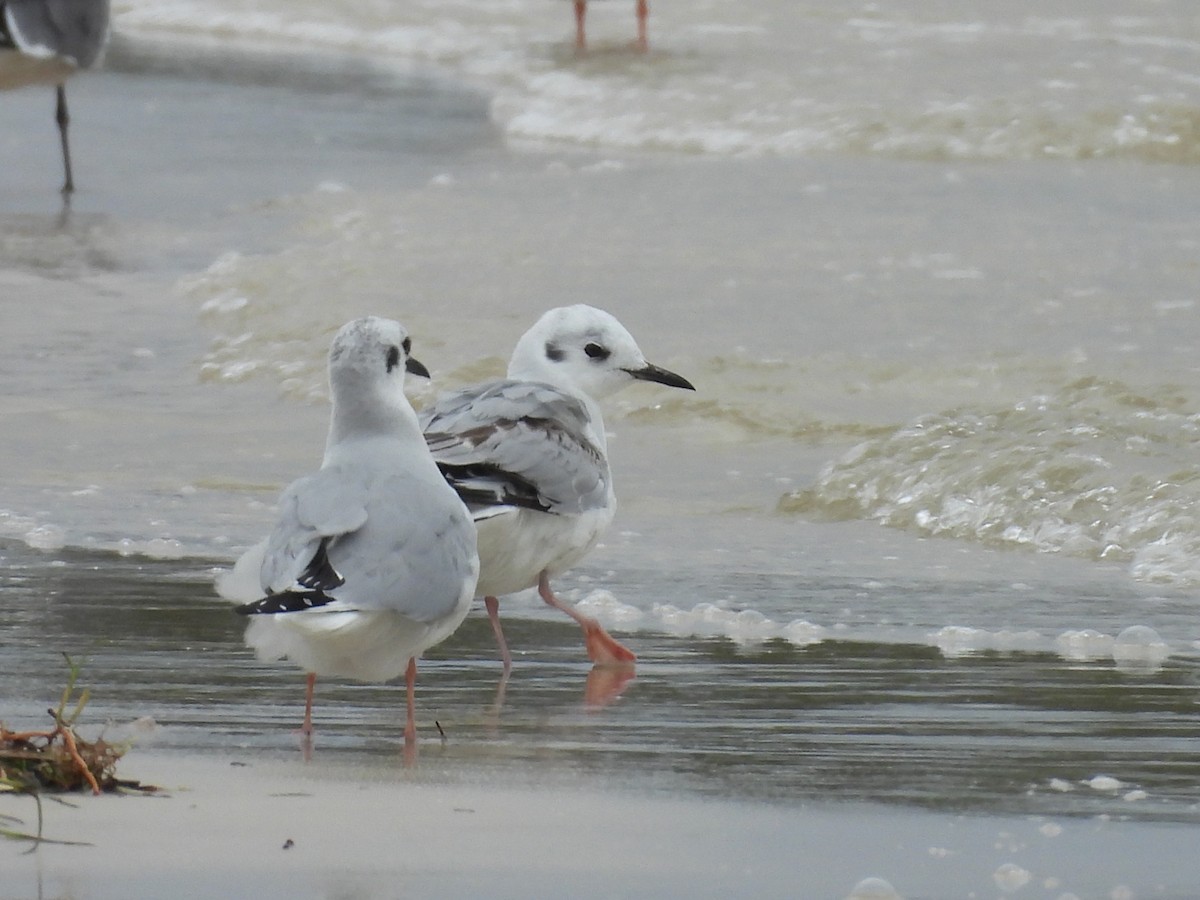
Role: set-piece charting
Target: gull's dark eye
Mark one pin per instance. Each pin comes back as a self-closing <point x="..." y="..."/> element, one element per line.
<point x="407" y="345"/>
<point x="595" y="351"/>
<point x="393" y="357"/>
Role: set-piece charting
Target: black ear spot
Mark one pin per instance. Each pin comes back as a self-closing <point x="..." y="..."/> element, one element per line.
<point x="554" y="353"/>
<point x="393" y="358"/>
<point x="596" y="351"/>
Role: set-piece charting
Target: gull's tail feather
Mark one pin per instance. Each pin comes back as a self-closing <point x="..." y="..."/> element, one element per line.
<point x="285" y="602"/>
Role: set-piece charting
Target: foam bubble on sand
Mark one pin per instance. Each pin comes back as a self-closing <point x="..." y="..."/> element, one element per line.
<point x="873" y="889"/>
<point x="604" y="606"/>
<point x="155" y="548"/>
<point x="747" y="626"/>
<point x="1139" y="647"/>
<point x="959" y="640"/>
<point x="1084" y="645"/>
<point x="1105" y="783"/>
<point x="1010" y="877"/>
<point x="46" y="537"/>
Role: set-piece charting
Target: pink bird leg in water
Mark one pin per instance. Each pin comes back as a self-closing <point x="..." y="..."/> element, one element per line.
<point x="602" y="648"/>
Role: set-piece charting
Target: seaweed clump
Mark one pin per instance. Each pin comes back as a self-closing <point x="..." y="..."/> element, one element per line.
<point x="59" y="759"/>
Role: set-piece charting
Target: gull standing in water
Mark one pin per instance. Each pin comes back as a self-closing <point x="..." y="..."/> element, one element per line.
<point x="642" y="12"/>
<point x="528" y="454"/>
<point x="43" y="42"/>
<point x="373" y="559"/>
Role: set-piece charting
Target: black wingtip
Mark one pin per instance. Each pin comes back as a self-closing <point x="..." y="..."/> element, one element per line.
<point x="286" y="602"/>
<point x="320" y="574"/>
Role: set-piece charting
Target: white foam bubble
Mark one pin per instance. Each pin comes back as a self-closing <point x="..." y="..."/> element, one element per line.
<point x="1105" y="783"/>
<point x="1140" y="648"/>
<point x="747" y="626"/>
<point x="873" y="888"/>
<point x="603" y="605"/>
<point x="154" y="548"/>
<point x="46" y="537"/>
<point x="1011" y="877"/>
<point x="960" y="640"/>
<point x="1084" y="645"/>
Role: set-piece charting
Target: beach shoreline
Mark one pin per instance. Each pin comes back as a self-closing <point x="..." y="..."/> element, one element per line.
<point x="242" y="825"/>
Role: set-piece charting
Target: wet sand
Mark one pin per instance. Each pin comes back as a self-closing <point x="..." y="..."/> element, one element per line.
<point x="241" y="826"/>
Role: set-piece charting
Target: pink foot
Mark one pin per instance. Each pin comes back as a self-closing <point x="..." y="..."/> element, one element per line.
<point x="603" y="649"/>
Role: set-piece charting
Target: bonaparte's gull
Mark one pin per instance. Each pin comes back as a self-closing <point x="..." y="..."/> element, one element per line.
<point x="642" y="12"/>
<point x="528" y="454"/>
<point x="44" y="41"/>
<point x="373" y="558"/>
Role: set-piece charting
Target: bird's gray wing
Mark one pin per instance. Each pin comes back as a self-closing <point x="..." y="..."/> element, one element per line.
<point x="75" y="29"/>
<point x="313" y="510"/>
<point x="369" y="538"/>
<point x="416" y="554"/>
<point x="517" y="443"/>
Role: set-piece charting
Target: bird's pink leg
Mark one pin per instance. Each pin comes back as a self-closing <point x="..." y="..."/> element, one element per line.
<point x="643" y="12"/>
<point x="492" y="604"/>
<point x="580" y="15"/>
<point x="410" y="685"/>
<point x="602" y="649"/>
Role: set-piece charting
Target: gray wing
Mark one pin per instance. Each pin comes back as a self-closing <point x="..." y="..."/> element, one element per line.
<point x="75" y="29"/>
<point x="312" y="510"/>
<point x="416" y="553"/>
<point x="374" y="539"/>
<point x="517" y="443"/>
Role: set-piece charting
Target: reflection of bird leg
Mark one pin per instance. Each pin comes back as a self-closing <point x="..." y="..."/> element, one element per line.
<point x="492" y="604"/>
<point x="605" y="684"/>
<point x="643" y="12"/>
<point x="498" y="703"/>
<point x="580" y="14"/>
<point x="311" y="684"/>
<point x="602" y="648"/>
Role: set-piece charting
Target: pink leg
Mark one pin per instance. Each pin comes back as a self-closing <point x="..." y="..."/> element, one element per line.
<point x="602" y="649"/>
<point x="580" y="14"/>
<point x="492" y="604"/>
<point x="306" y="728"/>
<point x="410" y="684"/>
<point x="643" y="12"/>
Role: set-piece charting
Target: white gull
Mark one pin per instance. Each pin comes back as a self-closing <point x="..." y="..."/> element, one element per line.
<point x="528" y="454"/>
<point x="373" y="559"/>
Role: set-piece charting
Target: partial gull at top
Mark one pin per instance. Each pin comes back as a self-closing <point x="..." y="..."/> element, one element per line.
<point x="373" y="558"/>
<point x="528" y="455"/>
<point x="45" y="41"/>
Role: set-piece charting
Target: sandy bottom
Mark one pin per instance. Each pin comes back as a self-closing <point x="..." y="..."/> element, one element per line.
<point x="253" y="828"/>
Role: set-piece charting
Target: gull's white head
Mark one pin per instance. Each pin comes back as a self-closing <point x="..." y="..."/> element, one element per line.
<point x="585" y="350"/>
<point x="367" y="362"/>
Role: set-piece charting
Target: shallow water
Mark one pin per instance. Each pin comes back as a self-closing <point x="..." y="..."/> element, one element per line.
<point x="875" y="712"/>
<point x="924" y="536"/>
